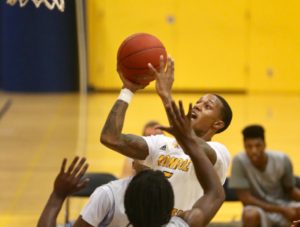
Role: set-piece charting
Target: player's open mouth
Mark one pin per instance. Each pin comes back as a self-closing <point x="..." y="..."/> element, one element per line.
<point x="193" y="115"/>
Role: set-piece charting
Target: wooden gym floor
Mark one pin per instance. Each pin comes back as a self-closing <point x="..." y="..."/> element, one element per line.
<point x="38" y="130"/>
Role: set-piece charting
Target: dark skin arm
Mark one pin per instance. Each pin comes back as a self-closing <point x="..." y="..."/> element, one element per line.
<point x="247" y="198"/>
<point x="205" y="207"/>
<point x="66" y="183"/>
<point x="164" y="83"/>
<point x="127" y="144"/>
<point x="111" y="136"/>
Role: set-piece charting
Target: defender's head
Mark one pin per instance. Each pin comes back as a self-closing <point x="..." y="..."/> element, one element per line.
<point x="149" y="199"/>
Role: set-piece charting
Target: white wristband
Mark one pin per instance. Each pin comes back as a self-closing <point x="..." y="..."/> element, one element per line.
<point x="125" y="95"/>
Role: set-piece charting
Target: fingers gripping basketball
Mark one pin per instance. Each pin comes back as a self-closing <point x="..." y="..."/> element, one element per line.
<point x="135" y="53"/>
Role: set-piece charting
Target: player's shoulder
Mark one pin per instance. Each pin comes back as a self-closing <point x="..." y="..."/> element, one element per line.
<point x="220" y="149"/>
<point x="217" y="145"/>
<point x="158" y="141"/>
<point x="120" y="183"/>
<point x="109" y="187"/>
<point x="160" y="137"/>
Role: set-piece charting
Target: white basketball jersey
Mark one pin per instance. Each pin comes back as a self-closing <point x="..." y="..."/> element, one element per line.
<point x="118" y="189"/>
<point x="106" y="206"/>
<point x="166" y="155"/>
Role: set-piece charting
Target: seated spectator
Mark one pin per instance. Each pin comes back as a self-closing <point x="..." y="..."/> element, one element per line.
<point x="264" y="183"/>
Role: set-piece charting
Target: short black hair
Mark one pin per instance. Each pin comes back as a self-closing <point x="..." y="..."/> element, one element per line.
<point x="254" y="132"/>
<point x="149" y="199"/>
<point x="226" y="113"/>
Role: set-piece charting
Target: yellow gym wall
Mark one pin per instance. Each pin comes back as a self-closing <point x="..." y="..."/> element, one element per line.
<point x="234" y="45"/>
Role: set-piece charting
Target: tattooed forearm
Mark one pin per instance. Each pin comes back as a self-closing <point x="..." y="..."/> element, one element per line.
<point x="115" y="120"/>
<point x="134" y="146"/>
<point x="112" y="137"/>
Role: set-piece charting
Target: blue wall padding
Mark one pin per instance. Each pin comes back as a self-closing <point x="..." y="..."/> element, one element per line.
<point x="38" y="48"/>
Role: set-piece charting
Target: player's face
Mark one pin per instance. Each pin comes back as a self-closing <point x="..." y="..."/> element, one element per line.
<point x="206" y="113"/>
<point x="255" y="150"/>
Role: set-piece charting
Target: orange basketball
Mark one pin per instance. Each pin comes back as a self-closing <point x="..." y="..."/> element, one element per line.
<point x="135" y="53"/>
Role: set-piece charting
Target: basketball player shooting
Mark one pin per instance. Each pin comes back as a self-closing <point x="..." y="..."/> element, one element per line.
<point x="210" y="115"/>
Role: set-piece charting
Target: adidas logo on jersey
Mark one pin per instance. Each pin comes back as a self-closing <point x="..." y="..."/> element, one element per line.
<point x="163" y="148"/>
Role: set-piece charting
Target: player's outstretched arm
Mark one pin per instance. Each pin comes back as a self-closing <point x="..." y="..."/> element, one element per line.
<point x="164" y="80"/>
<point x="111" y="136"/>
<point x="66" y="183"/>
<point x="206" y="207"/>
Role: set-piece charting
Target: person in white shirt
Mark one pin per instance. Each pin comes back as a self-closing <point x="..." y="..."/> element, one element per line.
<point x="106" y="205"/>
<point x="210" y="115"/>
<point x="149" y="197"/>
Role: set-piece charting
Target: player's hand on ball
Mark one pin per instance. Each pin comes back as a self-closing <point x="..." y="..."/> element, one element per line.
<point x="134" y="54"/>
<point x="133" y="87"/>
<point x="164" y="78"/>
